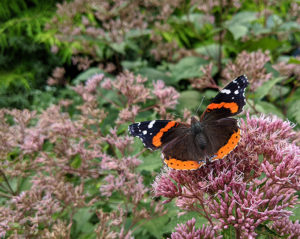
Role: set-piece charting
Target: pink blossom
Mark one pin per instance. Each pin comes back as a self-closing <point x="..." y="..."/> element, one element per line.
<point x="167" y="96"/>
<point x="93" y="82"/>
<point x="188" y="231"/>
<point x="131" y="87"/>
<point x="251" y="64"/>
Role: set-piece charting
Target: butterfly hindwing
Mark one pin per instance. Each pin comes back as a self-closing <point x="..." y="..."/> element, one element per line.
<point x="223" y="136"/>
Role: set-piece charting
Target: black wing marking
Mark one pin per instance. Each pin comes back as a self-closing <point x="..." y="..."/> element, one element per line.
<point x="228" y="102"/>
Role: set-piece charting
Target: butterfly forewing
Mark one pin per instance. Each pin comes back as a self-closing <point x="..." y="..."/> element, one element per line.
<point x="228" y="102"/>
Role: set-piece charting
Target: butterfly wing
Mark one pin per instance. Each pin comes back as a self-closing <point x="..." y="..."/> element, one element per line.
<point x="154" y="134"/>
<point x="223" y="136"/>
<point x="183" y="152"/>
<point x="228" y="102"/>
<point x="174" y="138"/>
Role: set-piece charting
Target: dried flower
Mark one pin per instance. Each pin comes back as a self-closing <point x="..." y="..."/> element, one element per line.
<point x="57" y="76"/>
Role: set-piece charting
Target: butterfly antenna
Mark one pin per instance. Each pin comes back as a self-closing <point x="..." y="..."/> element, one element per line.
<point x="200" y="105"/>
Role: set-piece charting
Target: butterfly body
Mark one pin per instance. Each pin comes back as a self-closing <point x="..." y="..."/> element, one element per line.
<point x="187" y="146"/>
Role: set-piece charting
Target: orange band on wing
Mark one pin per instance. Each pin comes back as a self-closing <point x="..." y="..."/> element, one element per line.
<point x="183" y="165"/>
<point x="227" y="148"/>
<point x="232" y="106"/>
<point x="156" y="141"/>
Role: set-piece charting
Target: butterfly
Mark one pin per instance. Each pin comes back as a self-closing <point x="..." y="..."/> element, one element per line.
<point x="187" y="146"/>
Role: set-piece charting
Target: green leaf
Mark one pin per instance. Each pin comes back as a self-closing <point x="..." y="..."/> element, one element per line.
<point x="82" y="225"/>
<point x="151" y="162"/>
<point x="76" y="161"/>
<point x="278" y="91"/>
<point x="189" y="99"/>
<point x="154" y="75"/>
<point x="266" y="231"/>
<point x="119" y="47"/>
<point x="273" y="21"/>
<point x="288" y="26"/>
<point x="238" y="25"/>
<point x="212" y="51"/>
<point x="294" y="61"/>
<point x="238" y="31"/>
<point x="294" y="110"/>
<point x="82" y="77"/>
<point x="263" y="90"/>
<point x="155" y="225"/>
<point x="268" y="108"/>
<point x="296" y="213"/>
<point x="266" y="43"/>
<point x="134" y="65"/>
<point x="244" y="17"/>
<point x="133" y="33"/>
<point x="187" y="67"/>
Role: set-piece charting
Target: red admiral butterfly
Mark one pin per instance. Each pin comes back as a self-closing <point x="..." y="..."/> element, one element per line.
<point x="186" y="147"/>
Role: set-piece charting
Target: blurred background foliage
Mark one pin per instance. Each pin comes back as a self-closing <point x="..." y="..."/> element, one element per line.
<point x="194" y="46"/>
<point x="66" y="42"/>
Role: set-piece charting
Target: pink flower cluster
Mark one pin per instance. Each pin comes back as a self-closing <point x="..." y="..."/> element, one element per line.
<point x="188" y="230"/>
<point x="206" y="80"/>
<point x="253" y="185"/>
<point x="61" y="156"/>
<point x="251" y="64"/>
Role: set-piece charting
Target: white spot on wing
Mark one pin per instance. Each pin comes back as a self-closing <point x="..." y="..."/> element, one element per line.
<point x="236" y="92"/>
<point x="144" y="131"/>
<point x="151" y="124"/>
<point x="226" y="91"/>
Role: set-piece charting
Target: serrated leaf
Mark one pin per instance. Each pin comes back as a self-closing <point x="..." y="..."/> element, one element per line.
<point x="119" y="47"/>
<point x="242" y="18"/>
<point x="212" y="50"/>
<point x="268" y="108"/>
<point x="294" y="111"/>
<point x="189" y="99"/>
<point x="273" y="21"/>
<point x="288" y="26"/>
<point x="154" y="75"/>
<point x="151" y="162"/>
<point x="238" y="30"/>
<point x="187" y="68"/>
<point x="278" y="91"/>
<point x="263" y="90"/>
<point x="82" y="217"/>
<point x="152" y="226"/>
